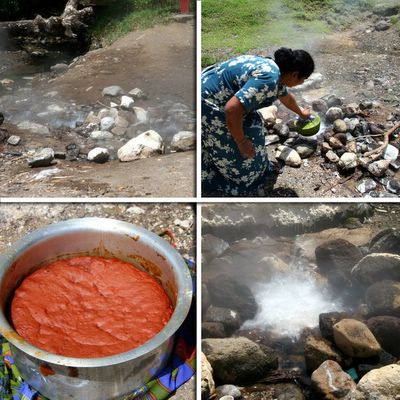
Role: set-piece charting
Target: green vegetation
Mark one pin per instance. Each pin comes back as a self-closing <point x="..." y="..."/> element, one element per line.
<point x="233" y="27"/>
<point x="123" y="16"/>
<point x="395" y="21"/>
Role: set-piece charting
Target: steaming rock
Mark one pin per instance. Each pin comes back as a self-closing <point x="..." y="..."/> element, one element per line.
<point x="334" y="113"/>
<point x="107" y="123"/>
<point x="239" y="360"/>
<point x="305" y="147"/>
<point x="229" y="318"/>
<point x="98" y="155"/>
<point x="112" y="91"/>
<point x="42" y="158"/>
<point x="382" y="25"/>
<point x="366" y="186"/>
<point x="271" y="139"/>
<point x="269" y="115"/>
<point x="339" y="126"/>
<point x="379" y="168"/>
<point x="288" y="156"/>
<point x="183" y="141"/>
<point x="213" y="330"/>
<point x="59" y="68"/>
<point x="225" y="291"/>
<point x="326" y="322"/>
<point x="282" y="130"/>
<point x="383" y="298"/>
<point x="332" y="157"/>
<point x="379" y="384"/>
<point x="101" y="135"/>
<point x="34" y="127"/>
<point x="377" y="267"/>
<point x="127" y="102"/>
<point x="354" y="339"/>
<point x="386" y="330"/>
<point x="331" y="382"/>
<point x="207" y="380"/>
<point x="386" y="241"/>
<point x="320" y="106"/>
<point x="106" y="112"/>
<point x="142" y="115"/>
<point x="271" y="267"/>
<point x="313" y="82"/>
<point x="229" y="390"/>
<point x="212" y="247"/>
<point x="143" y="146"/>
<point x="332" y="100"/>
<point x="348" y="161"/>
<point x="137" y="93"/>
<point x="14" y="140"/>
<point x="317" y="350"/>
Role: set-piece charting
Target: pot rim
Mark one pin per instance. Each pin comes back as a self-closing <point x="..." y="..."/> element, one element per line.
<point x="183" y="301"/>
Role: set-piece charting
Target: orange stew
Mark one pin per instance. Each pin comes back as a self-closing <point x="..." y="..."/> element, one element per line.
<point x="89" y="307"/>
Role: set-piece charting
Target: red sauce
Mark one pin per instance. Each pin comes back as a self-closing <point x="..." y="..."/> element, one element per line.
<point x="89" y="307"/>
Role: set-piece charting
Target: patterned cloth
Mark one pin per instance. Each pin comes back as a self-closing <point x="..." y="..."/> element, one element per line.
<point x="179" y="370"/>
<point x="255" y="82"/>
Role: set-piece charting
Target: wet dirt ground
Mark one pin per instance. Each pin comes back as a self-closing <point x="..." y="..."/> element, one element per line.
<point x="161" y="62"/>
<point x="348" y="60"/>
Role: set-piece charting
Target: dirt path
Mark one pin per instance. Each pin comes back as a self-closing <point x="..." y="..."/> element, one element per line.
<point x="161" y="62"/>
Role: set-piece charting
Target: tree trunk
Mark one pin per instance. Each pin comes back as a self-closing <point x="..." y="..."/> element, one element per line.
<point x="69" y="24"/>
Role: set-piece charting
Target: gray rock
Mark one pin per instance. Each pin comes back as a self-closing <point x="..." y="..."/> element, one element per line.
<point x="101" y="135"/>
<point x="213" y="330"/>
<point x="333" y="114"/>
<point x="339" y="126"/>
<point x="207" y="384"/>
<point x="366" y="105"/>
<point x="348" y="161"/>
<point x="143" y="146"/>
<point x="305" y="147"/>
<point x="382" y="25"/>
<point x="354" y="339"/>
<point x="142" y="115"/>
<point x="386" y="330"/>
<point x="320" y="106"/>
<point x="288" y="156"/>
<point x="386" y="241"/>
<point x="127" y="103"/>
<point x="332" y="156"/>
<point x="351" y="109"/>
<point x="376" y="267"/>
<point x="282" y="130"/>
<point x="332" y="100"/>
<point x="99" y="155"/>
<point x="351" y="123"/>
<point x="107" y="123"/>
<point x="183" y="141"/>
<point x="14" y="140"/>
<point x="58" y="68"/>
<point x="212" y="247"/>
<point x="72" y="152"/>
<point x="112" y="91"/>
<point x="329" y="381"/>
<point x="137" y="93"/>
<point x="34" y="127"/>
<point x="271" y="139"/>
<point x="379" y="168"/>
<point x="379" y="384"/>
<point x="318" y="350"/>
<point x="229" y="390"/>
<point x="383" y="297"/>
<point x="106" y="112"/>
<point x="42" y="158"/>
<point x="239" y="360"/>
<point x="229" y="318"/>
<point x="366" y="186"/>
<point x="326" y="322"/>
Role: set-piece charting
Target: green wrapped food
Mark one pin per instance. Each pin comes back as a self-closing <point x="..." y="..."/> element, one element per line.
<point x="308" y="127"/>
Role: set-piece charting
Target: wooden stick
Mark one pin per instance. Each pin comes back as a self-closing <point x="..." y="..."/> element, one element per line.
<point x="382" y="148"/>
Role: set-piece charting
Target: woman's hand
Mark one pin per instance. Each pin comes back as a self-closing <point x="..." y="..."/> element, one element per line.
<point x="246" y="148"/>
<point x="305" y="113"/>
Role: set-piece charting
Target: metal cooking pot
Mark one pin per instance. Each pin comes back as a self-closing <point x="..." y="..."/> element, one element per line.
<point x="59" y="377"/>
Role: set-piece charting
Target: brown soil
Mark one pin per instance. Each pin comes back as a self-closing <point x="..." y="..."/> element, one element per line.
<point x="160" y="61"/>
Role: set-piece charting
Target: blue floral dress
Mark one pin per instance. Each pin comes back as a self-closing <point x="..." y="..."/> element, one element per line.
<point x="255" y="82"/>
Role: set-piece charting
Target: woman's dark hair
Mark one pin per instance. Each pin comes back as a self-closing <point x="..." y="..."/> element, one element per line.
<point x="289" y="60"/>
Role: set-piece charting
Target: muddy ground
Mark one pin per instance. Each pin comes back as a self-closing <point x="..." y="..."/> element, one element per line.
<point x="347" y="61"/>
<point x="161" y="62"/>
<point x="17" y="220"/>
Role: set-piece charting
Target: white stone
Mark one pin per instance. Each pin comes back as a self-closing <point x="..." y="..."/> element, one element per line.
<point x="183" y="141"/>
<point x="391" y="153"/>
<point x="107" y="123"/>
<point x="99" y="155"/>
<point x="142" y="115"/>
<point x="127" y="102"/>
<point x="135" y="210"/>
<point x="379" y="168"/>
<point x="143" y="146"/>
<point x="107" y="112"/>
<point x="348" y="161"/>
<point x="100" y="135"/>
<point x="112" y="91"/>
<point x="137" y="93"/>
<point x="54" y="109"/>
<point x="13" y="140"/>
<point x="269" y="114"/>
<point x="288" y="156"/>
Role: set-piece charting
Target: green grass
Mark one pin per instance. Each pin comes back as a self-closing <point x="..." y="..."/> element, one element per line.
<point x="232" y="27"/>
<point x="395" y="21"/>
<point x="123" y="16"/>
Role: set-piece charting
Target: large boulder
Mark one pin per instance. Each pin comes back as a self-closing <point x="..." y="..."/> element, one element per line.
<point x="183" y="141"/>
<point x="329" y="381"/>
<point x="386" y="330"/>
<point x="354" y="339"/>
<point x="383" y="298"/>
<point x="239" y="360"/>
<point x="213" y="330"/>
<point x="377" y="267"/>
<point x="379" y="384"/>
<point x="326" y="322"/>
<point x="41" y="158"/>
<point x="318" y="350"/>
<point x="143" y="146"/>
<point x="207" y="380"/>
<point x="225" y="291"/>
<point x="229" y="318"/>
<point x="386" y="241"/>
